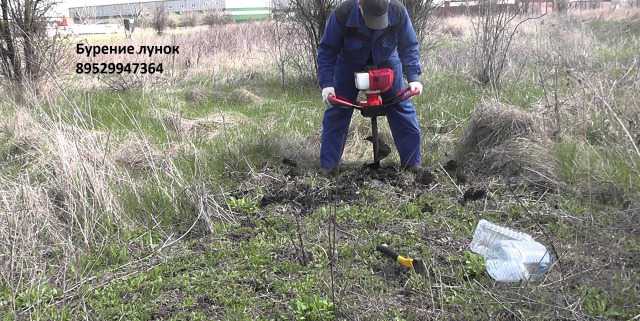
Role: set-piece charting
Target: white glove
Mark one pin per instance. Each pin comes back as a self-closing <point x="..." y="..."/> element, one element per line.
<point x="326" y="92"/>
<point x="416" y="86"/>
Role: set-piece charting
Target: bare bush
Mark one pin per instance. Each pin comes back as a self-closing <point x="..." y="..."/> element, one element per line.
<point x="189" y="20"/>
<point x="26" y="53"/>
<point x="160" y="20"/>
<point x="310" y="17"/>
<point x="120" y="83"/>
<point x="615" y="98"/>
<point x="216" y="18"/>
<point x="282" y="35"/>
<point x="494" y="29"/>
<point x="422" y="17"/>
<point x="560" y="6"/>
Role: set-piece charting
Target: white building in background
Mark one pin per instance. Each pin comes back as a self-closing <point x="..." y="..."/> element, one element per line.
<point x="130" y="8"/>
<point x="247" y="9"/>
<point x="100" y="9"/>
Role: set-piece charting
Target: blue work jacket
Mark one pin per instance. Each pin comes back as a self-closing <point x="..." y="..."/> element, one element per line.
<point x="350" y="45"/>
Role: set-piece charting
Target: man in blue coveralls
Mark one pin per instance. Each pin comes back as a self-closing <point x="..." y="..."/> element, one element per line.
<point x="360" y="34"/>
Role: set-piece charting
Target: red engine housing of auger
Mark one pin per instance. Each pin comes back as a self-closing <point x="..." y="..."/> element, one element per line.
<point x="380" y="81"/>
<point x="374" y="83"/>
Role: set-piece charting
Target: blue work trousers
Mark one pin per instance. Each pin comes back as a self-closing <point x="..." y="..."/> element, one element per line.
<point x="401" y="117"/>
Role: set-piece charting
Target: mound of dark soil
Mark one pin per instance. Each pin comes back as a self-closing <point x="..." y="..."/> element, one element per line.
<point x="307" y="190"/>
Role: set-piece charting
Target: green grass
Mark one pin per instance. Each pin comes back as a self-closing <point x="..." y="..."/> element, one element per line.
<point x="582" y="163"/>
<point x="119" y="113"/>
<point x="523" y="94"/>
<point x="604" y="29"/>
<point x="448" y="100"/>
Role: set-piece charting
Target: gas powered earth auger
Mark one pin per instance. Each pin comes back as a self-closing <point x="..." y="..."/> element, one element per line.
<point x="374" y="83"/>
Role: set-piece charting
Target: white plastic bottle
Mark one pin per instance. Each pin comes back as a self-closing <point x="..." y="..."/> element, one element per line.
<point x="513" y="261"/>
<point x="510" y="256"/>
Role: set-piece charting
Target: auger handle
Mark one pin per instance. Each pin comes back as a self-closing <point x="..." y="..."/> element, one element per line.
<point x="407" y="93"/>
<point x="335" y="100"/>
<point x="402" y="96"/>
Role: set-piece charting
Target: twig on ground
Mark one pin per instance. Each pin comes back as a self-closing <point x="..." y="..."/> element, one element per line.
<point x="451" y="179"/>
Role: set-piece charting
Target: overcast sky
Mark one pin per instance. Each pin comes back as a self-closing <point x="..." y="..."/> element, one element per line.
<point x="64" y="5"/>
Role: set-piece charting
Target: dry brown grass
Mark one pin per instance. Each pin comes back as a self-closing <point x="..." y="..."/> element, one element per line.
<point x="65" y="200"/>
<point x="305" y="149"/>
<point x="502" y="140"/>
<point x="196" y="95"/>
<point x="73" y="205"/>
<point x="208" y="127"/>
<point x="63" y="210"/>
<point x="245" y="96"/>
<point x="492" y="123"/>
<point x="459" y="25"/>
<point x="139" y="153"/>
<point x="226" y="54"/>
<point x="608" y="12"/>
<point x="357" y="149"/>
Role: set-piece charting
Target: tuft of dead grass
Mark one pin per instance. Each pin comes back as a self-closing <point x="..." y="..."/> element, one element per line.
<point x="457" y="26"/>
<point x="502" y="140"/>
<point x="245" y="96"/>
<point x="208" y="127"/>
<point x="139" y="153"/>
<point x="196" y="95"/>
<point x="24" y="131"/>
<point x="492" y="123"/>
<point x="61" y="201"/>
<point x="523" y="160"/>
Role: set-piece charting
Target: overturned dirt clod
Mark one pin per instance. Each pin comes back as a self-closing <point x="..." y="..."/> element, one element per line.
<point x="424" y="177"/>
<point x="502" y="140"/>
<point x="473" y="194"/>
